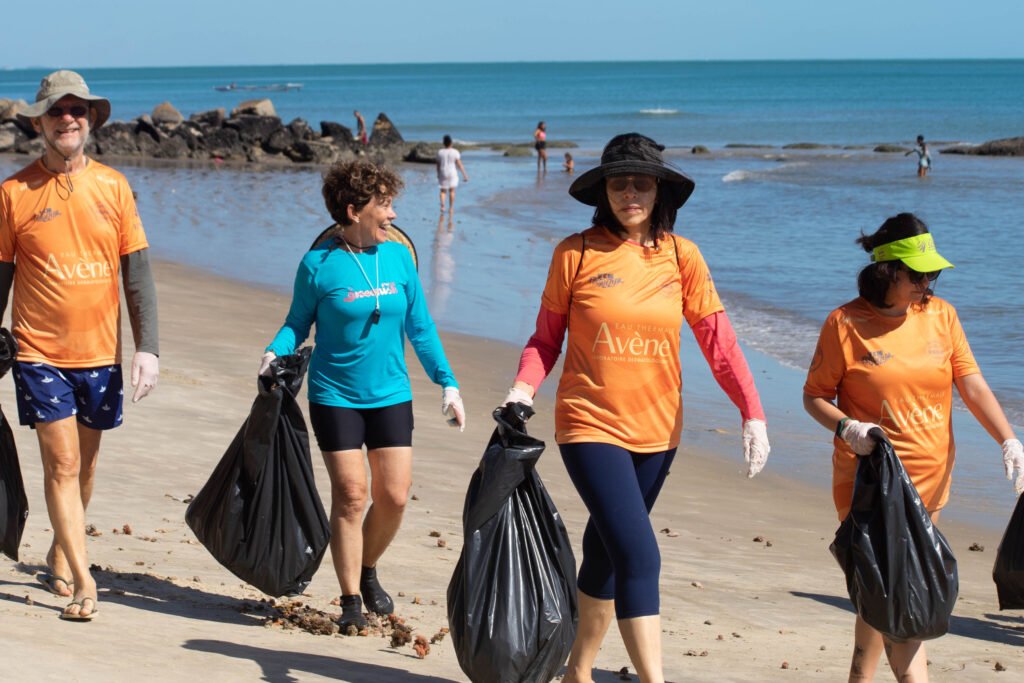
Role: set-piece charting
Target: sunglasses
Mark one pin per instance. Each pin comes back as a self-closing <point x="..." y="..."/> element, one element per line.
<point x="640" y="184"/>
<point x="77" y="111"/>
<point x="917" y="278"/>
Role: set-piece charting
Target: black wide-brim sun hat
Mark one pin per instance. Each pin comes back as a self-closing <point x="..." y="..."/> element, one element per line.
<point x="631" y="154"/>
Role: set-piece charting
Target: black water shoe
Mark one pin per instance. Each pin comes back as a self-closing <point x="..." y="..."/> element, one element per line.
<point x="376" y="599"/>
<point x="351" y="613"/>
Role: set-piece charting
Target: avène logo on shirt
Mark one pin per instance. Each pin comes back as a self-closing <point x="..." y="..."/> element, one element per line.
<point x="385" y="288"/>
<point x="78" y="270"/>
<point x="46" y="215"/>
<point x="914" y="416"/>
<point x="633" y="345"/>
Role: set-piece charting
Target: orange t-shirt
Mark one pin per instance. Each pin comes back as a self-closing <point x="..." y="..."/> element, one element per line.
<point x="898" y="373"/>
<point x="66" y="247"/>
<point x="621" y="380"/>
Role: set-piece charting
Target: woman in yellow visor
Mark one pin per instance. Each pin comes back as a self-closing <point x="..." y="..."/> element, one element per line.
<point x="890" y="359"/>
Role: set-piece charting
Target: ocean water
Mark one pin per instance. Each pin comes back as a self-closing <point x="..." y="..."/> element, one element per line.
<point x="775" y="225"/>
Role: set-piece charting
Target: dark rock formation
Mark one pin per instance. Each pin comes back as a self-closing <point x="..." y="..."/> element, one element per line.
<point x="253" y="129"/>
<point x="279" y="140"/>
<point x="211" y="118"/>
<point x="314" y="151"/>
<point x="423" y="153"/>
<point x="116" y="137"/>
<point x="699" y="149"/>
<point x="223" y="143"/>
<point x="890" y="149"/>
<point x="11" y="136"/>
<point x="384" y="133"/>
<point x="301" y="130"/>
<point x="1004" y="147"/>
<point x="337" y="132"/>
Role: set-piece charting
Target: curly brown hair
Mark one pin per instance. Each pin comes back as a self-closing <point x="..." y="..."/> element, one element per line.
<point x="356" y="183"/>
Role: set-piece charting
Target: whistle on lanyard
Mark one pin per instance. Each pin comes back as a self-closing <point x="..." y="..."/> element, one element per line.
<point x="375" y="316"/>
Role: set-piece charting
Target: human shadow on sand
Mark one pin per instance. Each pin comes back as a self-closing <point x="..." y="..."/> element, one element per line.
<point x="155" y="594"/>
<point x="283" y="666"/>
<point x="994" y="628"/>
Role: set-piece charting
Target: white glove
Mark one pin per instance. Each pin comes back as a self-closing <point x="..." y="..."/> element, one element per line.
<point x="145" y="369"/>
<point x="856" y="434"/>
<point x="1013" y="459"/>
<point x="755" y="446"/>
<point x="452" y="408"/>
<point x="265" y="363"/>
<point x="517" y="396"/>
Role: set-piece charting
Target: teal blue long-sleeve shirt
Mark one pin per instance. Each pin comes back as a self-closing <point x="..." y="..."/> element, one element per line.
<point x="356" y="363"/>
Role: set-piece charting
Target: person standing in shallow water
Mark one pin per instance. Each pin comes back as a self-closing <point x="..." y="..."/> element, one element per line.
<point x="540" y="137"/>
<point x="449" y="162"/>
<point x="890" y="359"/>
<point x="66" y="212"/>
<point x="924" y="159"/>
<point x="621" y="291"/>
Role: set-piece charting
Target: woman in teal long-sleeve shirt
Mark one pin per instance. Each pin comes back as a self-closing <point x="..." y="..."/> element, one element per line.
<point x="364" y="296"/>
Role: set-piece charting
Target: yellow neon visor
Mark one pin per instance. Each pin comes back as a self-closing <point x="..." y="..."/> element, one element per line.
<point x="917" y="253"/>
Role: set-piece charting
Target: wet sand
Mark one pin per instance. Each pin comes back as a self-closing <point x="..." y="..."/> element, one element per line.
<point x="734" y="608"/>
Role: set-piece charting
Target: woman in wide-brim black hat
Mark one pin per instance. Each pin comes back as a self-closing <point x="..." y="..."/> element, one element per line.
<point x="622" y="289"/>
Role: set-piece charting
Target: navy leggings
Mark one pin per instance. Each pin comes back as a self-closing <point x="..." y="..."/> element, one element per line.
<point x="621" y="560"/>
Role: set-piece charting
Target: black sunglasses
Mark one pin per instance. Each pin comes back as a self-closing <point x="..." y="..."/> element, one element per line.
<point x="917" y="278"/>
<point x="640" y="183"/>
<point x="77" y="111"/>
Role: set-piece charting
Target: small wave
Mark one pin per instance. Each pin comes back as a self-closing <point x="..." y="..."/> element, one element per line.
<point x="659" y="111"/>
<point x="737" y="176"/>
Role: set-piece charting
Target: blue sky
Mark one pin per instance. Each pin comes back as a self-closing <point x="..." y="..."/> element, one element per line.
<point x="194" y="32"/>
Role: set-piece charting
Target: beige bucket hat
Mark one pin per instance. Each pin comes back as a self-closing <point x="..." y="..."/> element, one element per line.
<point x="61" y="83"/>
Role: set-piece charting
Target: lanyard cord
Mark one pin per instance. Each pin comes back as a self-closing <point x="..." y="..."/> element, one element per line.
<point x="376" y="266"/>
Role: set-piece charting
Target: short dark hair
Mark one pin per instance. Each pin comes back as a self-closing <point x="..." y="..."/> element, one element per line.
<point x="447" y="140"/>
<point x="875" y="279"/>
<point x="356" y="183"/>
<point x="663" y="216"/>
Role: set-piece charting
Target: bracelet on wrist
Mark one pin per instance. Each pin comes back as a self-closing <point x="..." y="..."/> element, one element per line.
<point x="840" y="425"/>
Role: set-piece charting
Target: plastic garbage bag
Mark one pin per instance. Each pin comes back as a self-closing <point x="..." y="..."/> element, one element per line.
<point x="260" y="514"/>
<point x="512" y="599"/>
<point x="13" y="501"/>
<point x="1008" y="572"/>
<point x="900" y="571"/>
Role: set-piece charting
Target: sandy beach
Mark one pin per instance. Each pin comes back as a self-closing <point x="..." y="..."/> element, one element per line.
<point x="749" y="590"/>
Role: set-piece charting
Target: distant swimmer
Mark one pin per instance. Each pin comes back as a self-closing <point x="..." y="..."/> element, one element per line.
<point x="449" y="163"/>
<point x="924" y="160"/>
<point x="540" y="144"/>
<point x="569" y="166"/>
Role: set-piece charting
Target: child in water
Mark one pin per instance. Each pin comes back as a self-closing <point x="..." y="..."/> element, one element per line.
<point x="569" y="165"/>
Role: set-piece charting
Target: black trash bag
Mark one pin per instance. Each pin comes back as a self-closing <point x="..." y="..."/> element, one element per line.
<point x="13" y="501"/>
<point x="512" y="599"/>
<point x="900" y="571"/>
<point x="1008" y="572"/>
<point x="260" y="514"/>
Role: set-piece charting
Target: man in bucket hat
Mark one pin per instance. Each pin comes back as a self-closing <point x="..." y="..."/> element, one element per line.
<point x="68" y="227"/>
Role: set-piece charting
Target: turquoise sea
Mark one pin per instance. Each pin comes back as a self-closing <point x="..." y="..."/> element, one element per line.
<point x="776" y="225"/>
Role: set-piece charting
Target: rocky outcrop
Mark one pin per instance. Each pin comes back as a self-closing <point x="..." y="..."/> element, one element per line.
<point x="253" y="132"/>
<point x="1005" y="147"/>
<point x="889" y="149"/>
<point x="422" y="153"/>
<point x="11" y="136"/>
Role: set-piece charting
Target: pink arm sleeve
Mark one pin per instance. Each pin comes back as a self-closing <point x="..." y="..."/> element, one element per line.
<point x="717" y="340"/>
<point x="543" y="349"/>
